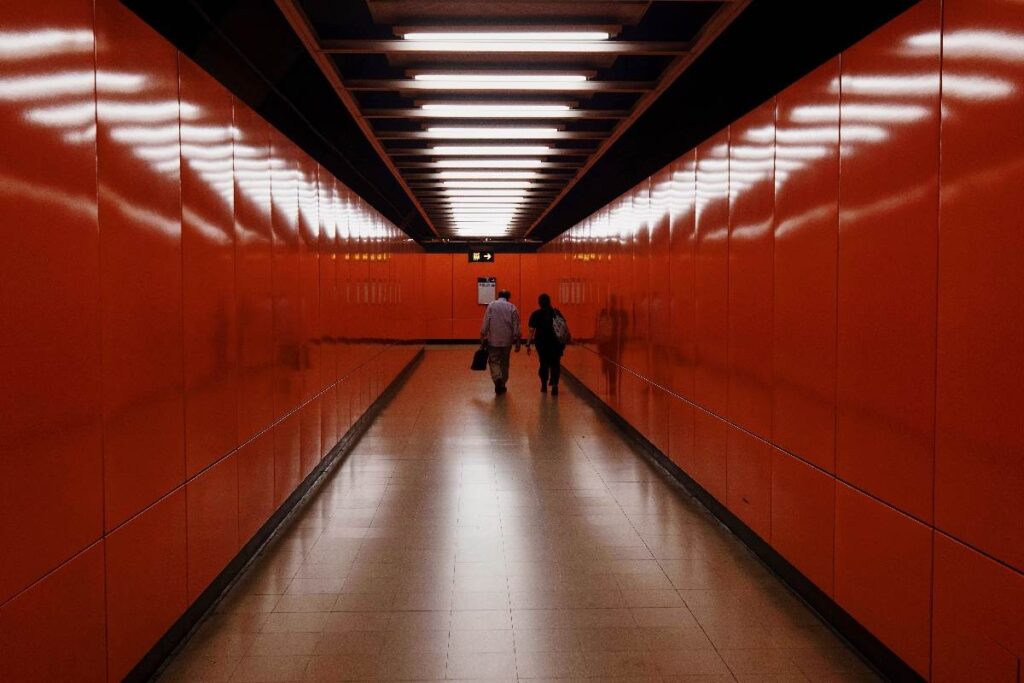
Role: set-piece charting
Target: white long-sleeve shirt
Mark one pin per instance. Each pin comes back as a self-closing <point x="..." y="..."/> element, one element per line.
<point x="501" y="323"/>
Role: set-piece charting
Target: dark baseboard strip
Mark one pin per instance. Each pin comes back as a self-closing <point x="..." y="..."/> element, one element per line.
<point x="873" y="651"/>
<point x="448" y="342"/>
<point x="159" y="656"/>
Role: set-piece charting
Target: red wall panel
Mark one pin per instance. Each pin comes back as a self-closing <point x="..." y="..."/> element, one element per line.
<point x="140" y="254"/>
<point x="284" y="192"/>
<point x="146" y="582"/>
<point x="309" y="441"/>
<point x="979" y="464"/>
<point x="208" y="268"/>
<point x="309" y="258"/>
<point x="287" y="438"/>
<point x="751" y="250"/>
<point x="51" y="491"/>
<point x="255" y="484"/>
<point x="749" y="480"/>
<point x="804" y="517"/>
<point x="712" y="274"/>
<point x="710" y="443"/>
<point x="437" y="295"/>
<point x="887" y="271"/>
<point x="883" y="576"/>
<point x="39" y="647"/>
<point x="212" y="523"/>
<point x="253" y="272"/>
<point x="805" y="253"/>
<point x="978" y="627"/>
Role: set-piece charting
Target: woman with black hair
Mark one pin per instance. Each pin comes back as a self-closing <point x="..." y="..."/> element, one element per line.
<point x="549" y="349"/>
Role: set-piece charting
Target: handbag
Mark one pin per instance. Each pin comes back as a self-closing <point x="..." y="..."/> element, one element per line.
<point x="479" y="359"/>
<point x="561" y="328"/>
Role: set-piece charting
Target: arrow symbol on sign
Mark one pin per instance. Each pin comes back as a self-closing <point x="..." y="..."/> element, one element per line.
<point x="488" y="257"/>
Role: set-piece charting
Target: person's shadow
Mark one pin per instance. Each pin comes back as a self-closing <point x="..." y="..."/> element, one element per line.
<point x="608" y="330"/>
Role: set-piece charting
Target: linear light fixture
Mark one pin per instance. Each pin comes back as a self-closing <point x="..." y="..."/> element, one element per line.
<point x="488" y="163"/>
<point x="474" y="110"/>
<point x="504" y="36"/>
<point x="488" y="150"/>
<point x="484" y="133"/>
<point x="487" y="184"/>
<point x="501" y="81"/>
<point x="487" y="175"/>
<point x="484" y="193"/>
<point x="520" y="77"/>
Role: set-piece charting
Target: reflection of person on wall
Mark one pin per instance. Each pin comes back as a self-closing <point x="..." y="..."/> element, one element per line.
<point x="608" y="330"/>
<point x="549" y="349"/>
<point x="500" y="330"/>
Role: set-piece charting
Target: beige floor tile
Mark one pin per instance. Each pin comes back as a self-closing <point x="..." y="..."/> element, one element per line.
<point x="475" y="665"/>
<point x="200" y="669"/>
<point x="499" y="641"/>
<point x="278" y="669"/>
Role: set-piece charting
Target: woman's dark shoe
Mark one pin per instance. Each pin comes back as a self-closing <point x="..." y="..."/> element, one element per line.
<point x="554" y="390"/>
<point x="543" y="387"/>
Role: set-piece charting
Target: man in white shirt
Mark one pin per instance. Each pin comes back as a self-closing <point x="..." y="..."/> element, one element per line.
<point x="500" y="330"/>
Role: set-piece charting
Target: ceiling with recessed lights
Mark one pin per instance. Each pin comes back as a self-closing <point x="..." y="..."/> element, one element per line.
<point x="514" y="119"/>
<point x="487" y="113"/>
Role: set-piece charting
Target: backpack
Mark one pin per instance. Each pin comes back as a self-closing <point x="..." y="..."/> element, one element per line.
<point x="561" y="328"/>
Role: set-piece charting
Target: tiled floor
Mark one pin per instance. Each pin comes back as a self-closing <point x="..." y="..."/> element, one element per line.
<point x="475" y="537"/>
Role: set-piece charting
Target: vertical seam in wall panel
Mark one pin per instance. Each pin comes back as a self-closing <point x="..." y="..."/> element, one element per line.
<point x="728" y="291"/>
<point x="99" y="342"/>
<point x="181" y="320"/>
<point x="835" y="345"/>
<point x="935" y="387"/>
<point x="771" y="338"/>
<point x="237" y="335"/>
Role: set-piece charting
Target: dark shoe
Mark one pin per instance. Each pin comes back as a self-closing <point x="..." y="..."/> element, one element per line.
<point x="554" y="390"/>
<point x="499" y="388"/>
<point x="543" y="387"/>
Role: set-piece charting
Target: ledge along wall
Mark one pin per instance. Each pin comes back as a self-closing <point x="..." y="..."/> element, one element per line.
<point x="819" y="319"/>
<point x="192" y="313"/>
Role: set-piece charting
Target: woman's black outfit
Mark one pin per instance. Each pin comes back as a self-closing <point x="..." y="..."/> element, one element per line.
<point x="549" y="349"/>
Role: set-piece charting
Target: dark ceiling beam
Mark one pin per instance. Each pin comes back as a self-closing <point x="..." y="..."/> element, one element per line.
<point x="721" y="20"/>
<point x="410" y="85"/>
<point x="599" y="47"/>
<point x="302" y="27"/>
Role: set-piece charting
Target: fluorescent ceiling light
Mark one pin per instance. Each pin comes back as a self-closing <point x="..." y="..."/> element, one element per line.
<point x="491" y="206"/>
<point x="487" y="210"/>
<point x="487" y="175"/>
<point x="506" y="36"/>
<point x="488" y="163"/>
<point x="482" y="133"/>
<point x="494" y="111"/>
<point x="502" y="81"/>
<point x="488" y="150"/>
<point x="507" y="77"/>
<point x="488" y="184"/>
<point x="464" y="193"/>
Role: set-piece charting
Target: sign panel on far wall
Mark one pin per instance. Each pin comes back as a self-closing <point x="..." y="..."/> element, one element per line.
<point x="481" y="256"/>
<point x="485" y="290"/>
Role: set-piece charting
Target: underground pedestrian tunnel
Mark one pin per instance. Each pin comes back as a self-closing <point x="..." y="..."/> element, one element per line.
<point x="245" y="251"/>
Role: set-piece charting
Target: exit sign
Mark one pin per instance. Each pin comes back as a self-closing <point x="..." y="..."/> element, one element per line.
<point x="481" y="256"/>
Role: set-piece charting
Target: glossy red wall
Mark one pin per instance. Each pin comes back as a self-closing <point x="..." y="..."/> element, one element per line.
<point x="193" y="313"/>
<point x="846" y="339"/>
